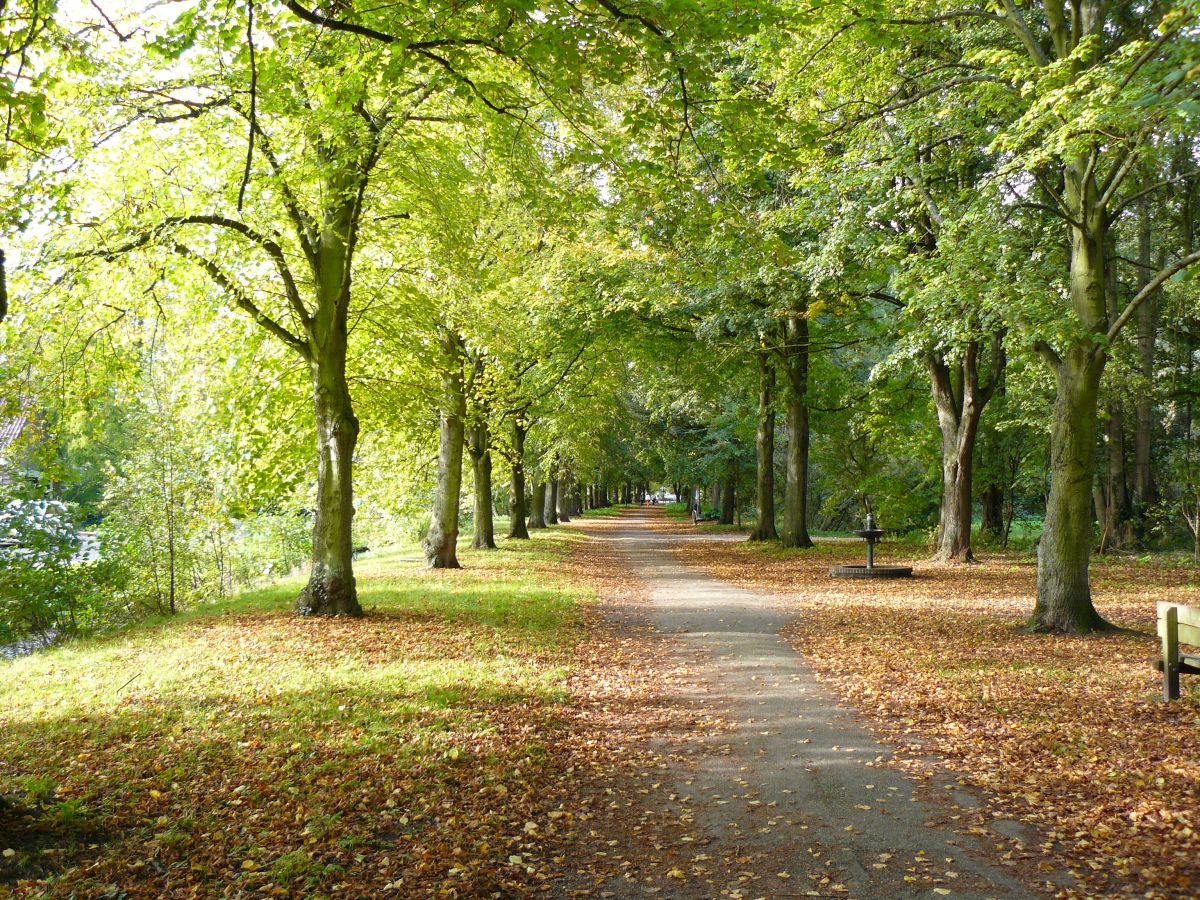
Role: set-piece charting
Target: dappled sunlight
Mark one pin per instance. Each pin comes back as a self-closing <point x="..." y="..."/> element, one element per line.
<point x="1063" y="732"/>
<point x="261" y="733"/>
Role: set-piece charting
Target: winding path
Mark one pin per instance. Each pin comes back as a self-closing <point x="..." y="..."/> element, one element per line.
<point x="790" y="798"/>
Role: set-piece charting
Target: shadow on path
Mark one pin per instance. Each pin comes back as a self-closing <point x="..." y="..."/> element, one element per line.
<point x="791" y="798"/>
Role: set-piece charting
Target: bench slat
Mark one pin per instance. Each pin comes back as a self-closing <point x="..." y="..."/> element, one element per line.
<point x="1189" y="622"/>
<point x="1188" y="665"/>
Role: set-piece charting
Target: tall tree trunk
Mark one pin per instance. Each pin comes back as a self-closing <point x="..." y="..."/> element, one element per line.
<point x="1064" y="597"/>
<point x="1147" y="336"/>
<point x="552" y="488"/>
<point x="795" y="498"/>
<point x="992" y="513"/>
<point x="3" y="288"/>
<point x="764" y="446"/>
<point x="331" y="588"/>
<point x="563" y="497"/>
<point x="1112" y="513"/>
<point x="537" y="505"/>
<point x="517" y="513"/>
<point x="484" y="536"/>
<point x="728" y="495"/>
<point x="1100" y="508"/>
<point x="441" y="543"/>
<point x="960" y="403"/>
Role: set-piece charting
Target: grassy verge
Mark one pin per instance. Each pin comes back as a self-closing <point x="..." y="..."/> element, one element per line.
<point x="677" y="511"/>
<point x="604" y="512"/>
<point x="1064" y="733"/>
<point x="240" y="748"/>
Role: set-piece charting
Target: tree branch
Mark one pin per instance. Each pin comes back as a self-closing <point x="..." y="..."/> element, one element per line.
<point x="1016" y="23"/>
<point x="1149" y="288"/>
<point x="1047" y="353"/>
<point x="944" y="17"/>
<point x="317" y="18"/>
<point x="243" y="300"/>
<point x="916" y="97"/>
<point x="304" y="225"/>
<point x="268" y="245"/>
<point x="253" y="104"/>
<point x="1124" y="204"/>
<point x="996" y="372"/>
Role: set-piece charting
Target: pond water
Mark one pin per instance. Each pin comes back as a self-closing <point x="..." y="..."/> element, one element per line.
<point x="28" y="645"/>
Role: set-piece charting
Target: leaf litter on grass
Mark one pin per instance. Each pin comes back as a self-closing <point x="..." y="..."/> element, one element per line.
<point x="459" y="741"/>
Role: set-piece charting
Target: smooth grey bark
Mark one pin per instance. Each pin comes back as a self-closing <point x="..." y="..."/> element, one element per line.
<point x="483" y="526"/>
<point x="537" y="505"/>
<point x="331" y="588"/>
<point x="441" y="543"/>
<point x="517" y="509"/>
<point x="764" y="446"/>
<point x="960" y="400"/>
<point x="795" y="498"/>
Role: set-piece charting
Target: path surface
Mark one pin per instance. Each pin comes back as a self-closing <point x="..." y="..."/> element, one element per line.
<point x="792" y="793"/>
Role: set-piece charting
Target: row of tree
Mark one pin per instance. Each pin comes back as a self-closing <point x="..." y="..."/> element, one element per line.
<point x="597" y="242"/>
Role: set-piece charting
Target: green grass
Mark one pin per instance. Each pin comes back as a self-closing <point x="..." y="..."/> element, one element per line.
<point x="614" y="510"/>
<point x="146" y="732"/>
<point x="677" y="510"/>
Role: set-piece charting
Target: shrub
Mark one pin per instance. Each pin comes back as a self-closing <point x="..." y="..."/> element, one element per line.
<point x="47" y="586"/>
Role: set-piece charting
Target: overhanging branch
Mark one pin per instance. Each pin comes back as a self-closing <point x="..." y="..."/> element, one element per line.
<point x="242" y="299"/>
<point x="1149" y="288"/>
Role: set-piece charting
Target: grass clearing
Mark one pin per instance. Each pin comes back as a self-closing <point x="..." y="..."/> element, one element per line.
<point x="239" y="745"/>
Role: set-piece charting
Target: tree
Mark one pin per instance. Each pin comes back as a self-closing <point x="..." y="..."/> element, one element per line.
<point x="1078" y="98"/>
<point x="1142" y="63"/>
<point x="33" y="48"/>
<point x="441" y="542"/>
<point x="764" y="443"/>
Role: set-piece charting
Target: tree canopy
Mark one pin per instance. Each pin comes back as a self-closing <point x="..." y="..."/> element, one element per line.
<point x="283" y="266"/>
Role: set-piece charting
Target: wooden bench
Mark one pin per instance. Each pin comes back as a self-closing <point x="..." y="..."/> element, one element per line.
<point x="1177" y="623"/>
